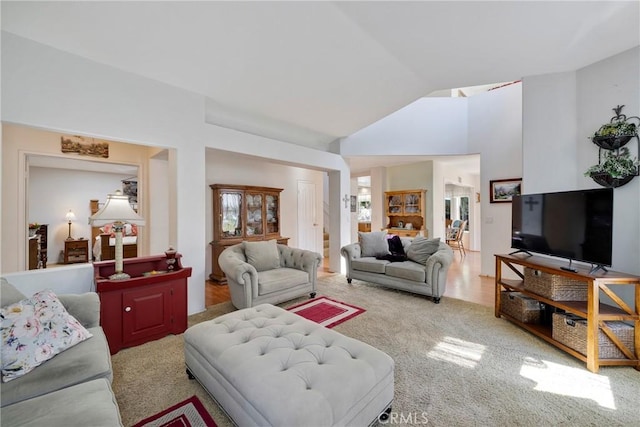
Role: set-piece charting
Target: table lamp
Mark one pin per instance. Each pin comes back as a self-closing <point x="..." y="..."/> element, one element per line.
<point x="117" y="211"/>
<point x="70" y="216"/>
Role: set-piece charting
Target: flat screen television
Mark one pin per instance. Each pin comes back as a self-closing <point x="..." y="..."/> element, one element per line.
<point x="577" y="225"/>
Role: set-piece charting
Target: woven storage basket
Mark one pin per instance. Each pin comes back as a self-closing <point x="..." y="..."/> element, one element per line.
<point x="571" y="331"/>
<point x="521" y="307"/>
<point x="553" y="286"/>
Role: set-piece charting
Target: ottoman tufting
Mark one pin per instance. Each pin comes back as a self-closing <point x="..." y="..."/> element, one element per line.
<point x="266" y="366"/>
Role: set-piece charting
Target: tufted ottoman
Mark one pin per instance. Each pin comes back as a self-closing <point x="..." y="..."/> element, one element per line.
<point x="266" y="366"/>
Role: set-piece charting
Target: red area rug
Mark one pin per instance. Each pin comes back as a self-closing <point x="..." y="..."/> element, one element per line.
<point x="326" y="311"/>
<point x="190" y="413"/>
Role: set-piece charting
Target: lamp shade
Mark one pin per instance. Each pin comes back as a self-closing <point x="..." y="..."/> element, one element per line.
<point x="116" y="209"/>
<point x="70" y="216"/>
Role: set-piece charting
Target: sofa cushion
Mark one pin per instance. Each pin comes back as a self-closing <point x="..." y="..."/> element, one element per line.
<point x="262" y="255"/>
<point x="369" y="264"/>
<point x="280" y="278"/>
<point x="84" y="362"/>
<point x="408" y="270"/>
<point x="88" y="404"/>
<point x="422" y="248"/>
<point x="373" y="243"/>
<point x="34" y="330"/>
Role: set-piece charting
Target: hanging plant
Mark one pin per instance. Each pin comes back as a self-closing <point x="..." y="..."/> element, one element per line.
<point x="617" y="169"/>
<point x="617" y="132"/>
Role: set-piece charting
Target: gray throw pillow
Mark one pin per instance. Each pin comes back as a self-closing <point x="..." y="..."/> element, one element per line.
<point x="373" y="243"/>
<point x="262" y="255"/>
<point x="422" y="248"/>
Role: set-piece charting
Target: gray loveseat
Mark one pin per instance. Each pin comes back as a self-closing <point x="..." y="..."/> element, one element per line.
<point x="268" y="273"/>
<point x="74" y="387"/>
<point x="429" y="278"/>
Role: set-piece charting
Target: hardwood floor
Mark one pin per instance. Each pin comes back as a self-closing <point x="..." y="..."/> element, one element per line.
<point x="463" y="282"/>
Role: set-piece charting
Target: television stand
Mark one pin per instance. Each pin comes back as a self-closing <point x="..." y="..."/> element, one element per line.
<point x="524" y="251"/>
<point x="592" y="309"/>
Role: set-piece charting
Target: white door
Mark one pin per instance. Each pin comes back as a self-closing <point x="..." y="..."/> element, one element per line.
<point x="307" y="221"/>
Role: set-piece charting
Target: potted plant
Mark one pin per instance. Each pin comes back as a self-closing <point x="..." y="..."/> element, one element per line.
<point x="617" y="169"/>
<point x="617" y="132"/>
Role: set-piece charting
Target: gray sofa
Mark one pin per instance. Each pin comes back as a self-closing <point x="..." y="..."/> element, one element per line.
<point x="428" y="279"/>
<point x="276" y="274"/>
<point x="72" y="388"/>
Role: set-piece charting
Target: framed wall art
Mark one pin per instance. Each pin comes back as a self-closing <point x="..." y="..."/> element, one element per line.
<point x="503" y="190"/>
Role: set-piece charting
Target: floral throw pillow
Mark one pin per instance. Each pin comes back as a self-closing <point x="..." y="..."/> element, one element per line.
<point x="34" y="330"/>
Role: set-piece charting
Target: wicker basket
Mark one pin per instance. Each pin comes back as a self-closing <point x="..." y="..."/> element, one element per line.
<point x="520" y="307"/>
<point x="553" y="286"/>
<point x="571" y="331"/>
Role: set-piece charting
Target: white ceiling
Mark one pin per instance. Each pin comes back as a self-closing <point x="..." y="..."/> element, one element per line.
<point x="318" y="71"/>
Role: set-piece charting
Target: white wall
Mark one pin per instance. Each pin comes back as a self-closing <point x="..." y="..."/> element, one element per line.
<point x="495" y="131"/>
<point x="427" y="126"/>
<point x="52" y="192"/>
<point x="104" y="102"/>
<point x="549" y="140"/>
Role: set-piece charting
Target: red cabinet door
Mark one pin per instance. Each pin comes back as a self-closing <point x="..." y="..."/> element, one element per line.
<point x="146" y="313"/>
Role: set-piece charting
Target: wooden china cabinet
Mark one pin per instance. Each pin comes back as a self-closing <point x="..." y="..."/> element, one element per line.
<point x="405" y="211"/>
<point x="243" y="212"/>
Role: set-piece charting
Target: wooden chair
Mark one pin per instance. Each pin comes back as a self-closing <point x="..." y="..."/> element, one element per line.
<point x="454" y="237"/>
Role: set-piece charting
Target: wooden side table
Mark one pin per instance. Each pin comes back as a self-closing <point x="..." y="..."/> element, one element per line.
<point x="76" y="251"/>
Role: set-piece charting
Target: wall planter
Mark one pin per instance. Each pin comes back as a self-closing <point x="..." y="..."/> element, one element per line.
<point x="618" y="167"/>
<point x="608" y="181"/>
<point x="611" y="142"/>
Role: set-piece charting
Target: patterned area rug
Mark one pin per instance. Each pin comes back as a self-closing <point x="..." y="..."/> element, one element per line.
<point x="189" y="413"/>
<point x="326" y="311"/>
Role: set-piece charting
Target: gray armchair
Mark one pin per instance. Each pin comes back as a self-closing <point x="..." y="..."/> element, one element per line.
<point x="286" y="274"/>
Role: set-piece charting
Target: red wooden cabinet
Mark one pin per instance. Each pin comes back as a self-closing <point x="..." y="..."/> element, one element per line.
<point x="148" y="306"/>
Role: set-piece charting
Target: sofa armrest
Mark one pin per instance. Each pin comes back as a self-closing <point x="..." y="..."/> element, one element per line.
<point x="350" y="252"/>
<point x="232" y="262"/>
<point x="437" y="266"/>
<point x="84" y="307"/>
<point x="300" y="259"/>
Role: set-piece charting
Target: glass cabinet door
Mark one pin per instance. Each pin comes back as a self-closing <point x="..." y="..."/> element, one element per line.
<point x="412" y="203"/>
<point x="272" y="213"/>
<point x="394" y="203"/>
<point x="254" y="215"/>
<point x="231" y="214"/>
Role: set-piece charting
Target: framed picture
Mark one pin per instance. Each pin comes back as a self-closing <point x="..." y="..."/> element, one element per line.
<point x="354" y="203"/>
<point x="503" y="190"/>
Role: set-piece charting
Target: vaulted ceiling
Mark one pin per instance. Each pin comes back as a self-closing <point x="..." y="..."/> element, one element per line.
<point x="317" y="71"/>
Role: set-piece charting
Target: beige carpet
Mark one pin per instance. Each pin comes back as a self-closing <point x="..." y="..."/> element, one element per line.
<point x="456" y="365"/>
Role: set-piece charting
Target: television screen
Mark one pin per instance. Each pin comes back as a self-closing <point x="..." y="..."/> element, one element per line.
<point x="577" y="225"/>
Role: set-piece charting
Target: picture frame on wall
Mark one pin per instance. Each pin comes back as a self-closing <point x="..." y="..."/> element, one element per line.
<point x="503" y="190"/>
<point x="354" y="203"/>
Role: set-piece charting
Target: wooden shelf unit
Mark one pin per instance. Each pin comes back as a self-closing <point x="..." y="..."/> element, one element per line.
<point x="593" y="310"/>
<point x="406" y="207"/>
